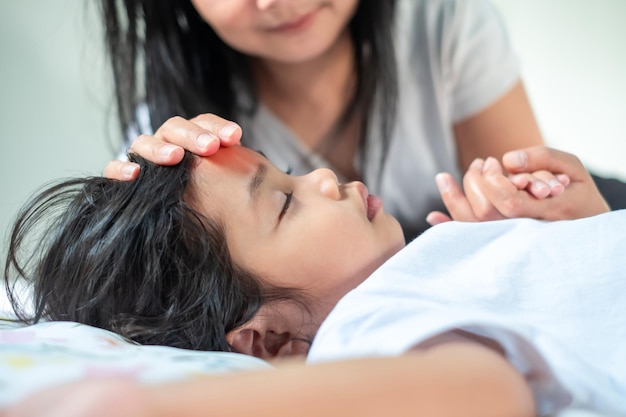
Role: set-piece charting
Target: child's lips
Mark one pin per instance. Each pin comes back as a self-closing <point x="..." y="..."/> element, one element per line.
<point x="372" y="203"/>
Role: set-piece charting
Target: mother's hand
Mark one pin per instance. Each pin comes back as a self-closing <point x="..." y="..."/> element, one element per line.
<point x="202" y="135"/>
<point x="543" y="183"/>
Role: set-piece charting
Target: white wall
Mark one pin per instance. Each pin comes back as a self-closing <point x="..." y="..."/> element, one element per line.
<point x="54" y="105"/>
<point x="55" y="101"/>
<point x="574" y="66"/>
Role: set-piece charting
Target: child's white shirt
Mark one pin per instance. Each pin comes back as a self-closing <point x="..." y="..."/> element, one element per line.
<point x="553" y="294"/>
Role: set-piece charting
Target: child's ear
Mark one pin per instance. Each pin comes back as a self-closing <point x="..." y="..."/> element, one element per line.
<point x="268" y="337"/>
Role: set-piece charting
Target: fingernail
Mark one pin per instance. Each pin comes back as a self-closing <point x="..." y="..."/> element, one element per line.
<point x="515" y="159"/>
<point x="490" y="163"/>
<point x="563" y="179"/>
<point x="167" y="150"/>
<point x="227" y="130"/>
<point x="539" y="185"/>
<point x="204" y="140"/>
<point x="477" y="163"/>
<point x="129" y="171"/>
<point x="443" y="183"/>
<point x="430" y="219"/>
<point x="556" y="186"/>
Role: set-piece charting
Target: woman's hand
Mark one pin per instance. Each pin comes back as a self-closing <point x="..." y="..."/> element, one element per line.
<point x="543" y="183"/>
<point x="202" y="135"/>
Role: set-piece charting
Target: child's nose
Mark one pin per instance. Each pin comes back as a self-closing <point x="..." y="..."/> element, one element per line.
<point x="326" y="181"/>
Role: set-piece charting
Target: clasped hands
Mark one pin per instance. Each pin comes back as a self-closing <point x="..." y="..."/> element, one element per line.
<point x="541" y="183"/>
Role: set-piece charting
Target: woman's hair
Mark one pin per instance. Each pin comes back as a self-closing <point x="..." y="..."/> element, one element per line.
<point x="165" y="55"/>
<point x="134" y="258"/>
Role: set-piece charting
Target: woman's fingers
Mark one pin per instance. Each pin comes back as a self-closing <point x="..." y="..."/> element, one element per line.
<point x="120" y="170"/>
<point x="229" y="133"/>
<point x="542" y="158"/>
<point x="156" y="149"/>
<point x="202" y="135"/>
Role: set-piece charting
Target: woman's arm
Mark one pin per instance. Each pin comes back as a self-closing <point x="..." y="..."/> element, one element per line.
<point x="450" y="379"/>
<point x="506" y="125"/>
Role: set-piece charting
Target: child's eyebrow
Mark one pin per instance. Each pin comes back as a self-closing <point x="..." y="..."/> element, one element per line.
<point x="256" y="184"/>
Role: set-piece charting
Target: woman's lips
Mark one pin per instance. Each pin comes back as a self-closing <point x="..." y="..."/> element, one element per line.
<point x="299" y="24"/>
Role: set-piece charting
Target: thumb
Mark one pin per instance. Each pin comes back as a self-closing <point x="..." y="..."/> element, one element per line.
<point x="538" y="158"/>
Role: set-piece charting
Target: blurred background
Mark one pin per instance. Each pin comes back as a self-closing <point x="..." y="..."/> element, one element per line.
<point x="57" y="120"/>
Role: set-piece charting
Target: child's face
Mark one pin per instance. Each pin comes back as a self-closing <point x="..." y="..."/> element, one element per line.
<point x="323" y="238"/>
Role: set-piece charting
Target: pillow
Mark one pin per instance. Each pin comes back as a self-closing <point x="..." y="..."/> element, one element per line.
<point x="22" y="291"/>
<point x="53" y="353"/>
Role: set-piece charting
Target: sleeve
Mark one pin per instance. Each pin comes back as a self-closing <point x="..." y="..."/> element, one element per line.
<point x="370" y="327"/>
<point x="478" y="59"/>
<point x="549" y="393"/>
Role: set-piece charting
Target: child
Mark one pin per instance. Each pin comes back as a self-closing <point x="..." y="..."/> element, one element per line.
<point x="238" y="255"/>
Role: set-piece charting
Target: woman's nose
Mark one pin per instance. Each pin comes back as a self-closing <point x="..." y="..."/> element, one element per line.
<point x="326" y="181"/>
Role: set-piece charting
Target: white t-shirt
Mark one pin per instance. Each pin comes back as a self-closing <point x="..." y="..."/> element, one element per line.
<point x="553" y="294"/>
<point x="454" y="60"/>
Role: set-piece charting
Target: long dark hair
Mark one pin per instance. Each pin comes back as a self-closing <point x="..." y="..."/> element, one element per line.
<point x="134" y="258"/>
<point x="165" y="55"/>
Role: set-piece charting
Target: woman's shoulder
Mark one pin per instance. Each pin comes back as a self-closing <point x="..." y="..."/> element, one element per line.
<point x="412" y="10"/>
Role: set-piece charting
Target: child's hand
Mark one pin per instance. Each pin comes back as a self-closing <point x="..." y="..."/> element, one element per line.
<point x="541" y="184"/>
<point x="530" y="191"/>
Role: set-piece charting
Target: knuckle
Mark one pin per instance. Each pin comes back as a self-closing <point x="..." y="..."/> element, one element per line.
<point x="174" y="120"/>
<point x="483" y="214"/>
<point x="511" y="207"/>
<point x="140" y="141"/>
<point x="483" y="211"/>
<point x="170" y="124"/>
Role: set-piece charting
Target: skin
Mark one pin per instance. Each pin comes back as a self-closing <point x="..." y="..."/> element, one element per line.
<point x="281" y="229"/>
<point x="488" y="193"/>
<point x="304" y="74"/>
<point x="283" y="32"/>
<point x="506" y="125"/>
<point x="266" y="233"/>
<point x="302" y="60"/>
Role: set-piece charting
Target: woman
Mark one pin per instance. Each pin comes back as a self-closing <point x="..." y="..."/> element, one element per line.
<point x="390" y="93"/>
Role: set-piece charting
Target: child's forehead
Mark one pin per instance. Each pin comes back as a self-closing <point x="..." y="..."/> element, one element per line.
<point x="229" y="163"/>
<point x="237" y="154"/>
<point x="232" y="157"/>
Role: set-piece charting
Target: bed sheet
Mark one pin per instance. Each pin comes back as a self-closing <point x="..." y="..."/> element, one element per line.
<point x="52" y="353"/>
